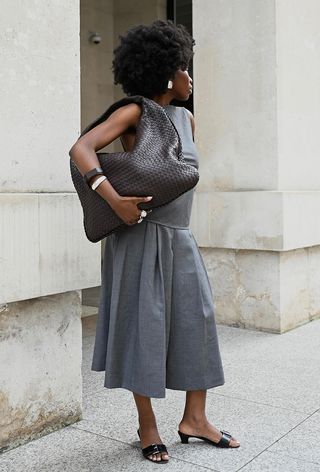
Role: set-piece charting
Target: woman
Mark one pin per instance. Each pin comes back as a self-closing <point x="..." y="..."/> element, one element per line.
<point x="156" y="326"/>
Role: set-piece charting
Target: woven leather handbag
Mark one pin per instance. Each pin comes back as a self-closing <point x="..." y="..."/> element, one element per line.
<point x="154" y="167"/>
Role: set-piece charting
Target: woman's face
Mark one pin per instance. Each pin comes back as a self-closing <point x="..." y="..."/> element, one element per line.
<point x="182" y="84"/>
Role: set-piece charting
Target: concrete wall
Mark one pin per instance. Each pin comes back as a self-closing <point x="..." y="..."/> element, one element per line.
<point x="97" y="89"/>
<point x="39" y="93"/>
<point x="43" y="248"/>
<point x="235" y="78"/>
<point x="45" y="258"/>
<point x="298" y="95"/>
<point x="40" y="354"/>
<point x="257" y="201"/>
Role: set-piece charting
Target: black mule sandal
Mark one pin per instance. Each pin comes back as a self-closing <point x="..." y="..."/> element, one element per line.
<point x="224" y="440"/>
<point x="154" y="449"/>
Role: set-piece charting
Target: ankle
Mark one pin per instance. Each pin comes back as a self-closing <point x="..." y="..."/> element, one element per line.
<point x="194" y="420"/>
<point x="147" y="422"/>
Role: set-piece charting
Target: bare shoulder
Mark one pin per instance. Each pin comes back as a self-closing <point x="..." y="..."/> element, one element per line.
<point x="122" y="120"/>
<point x="129" y="113"/>
<point x="191" y="117"/>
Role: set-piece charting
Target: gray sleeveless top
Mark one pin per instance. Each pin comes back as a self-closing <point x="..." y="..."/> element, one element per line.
<point x="176" y="214"/>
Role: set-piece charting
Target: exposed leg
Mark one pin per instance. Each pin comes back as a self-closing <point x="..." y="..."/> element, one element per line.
<point x="148" y="425"/>
<point x="194" y="420"/>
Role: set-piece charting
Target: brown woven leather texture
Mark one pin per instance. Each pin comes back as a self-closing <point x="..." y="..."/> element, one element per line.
<point x="154" y="167"/>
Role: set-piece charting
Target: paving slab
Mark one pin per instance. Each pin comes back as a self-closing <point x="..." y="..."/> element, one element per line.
<point x="74" y="450"/>
<point x="270" y="403"/>
<point x="112" y="413"/>
<point x="271" y="462"/>
<point x="303" y="442"/>
<point x="278" y="370"/>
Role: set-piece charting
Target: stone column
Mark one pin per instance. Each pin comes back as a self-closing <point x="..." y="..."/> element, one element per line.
<point x="45" y="258"/>
<point x="256" y="95"/>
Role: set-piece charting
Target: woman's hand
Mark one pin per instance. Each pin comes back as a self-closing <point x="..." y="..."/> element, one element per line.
<point x="126" y="208"/>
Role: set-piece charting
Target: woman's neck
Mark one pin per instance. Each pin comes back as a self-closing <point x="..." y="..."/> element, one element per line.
<point x="163" y="100"/>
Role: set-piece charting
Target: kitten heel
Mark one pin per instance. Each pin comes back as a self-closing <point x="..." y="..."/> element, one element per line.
<point x="184" y="437"/>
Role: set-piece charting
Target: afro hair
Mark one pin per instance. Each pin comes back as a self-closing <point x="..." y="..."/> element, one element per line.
<point x="148" y="56"/>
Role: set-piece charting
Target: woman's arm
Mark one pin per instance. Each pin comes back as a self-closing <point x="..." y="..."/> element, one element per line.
<point x="83" y="152"/>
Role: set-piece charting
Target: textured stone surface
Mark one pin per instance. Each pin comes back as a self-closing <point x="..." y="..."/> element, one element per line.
<point x="265" y="290"/>
<point x="269" y="462"/>
<point x="235" y="95"/>
<point x="43" y="247"/>
<point x="256" y="132"/>
<point x="270" y="423"/>
<point x="256" y="220"/>
<point x="75" y="450"/>
<point x="292" y="444"/>
<point x="255" y="425"/>
<point x="40" y="352"/>
<point x="40" y="91"/>
<point x="298" y="113"/>
<point x="256" y="113"/>
<point x="278" y="370"/>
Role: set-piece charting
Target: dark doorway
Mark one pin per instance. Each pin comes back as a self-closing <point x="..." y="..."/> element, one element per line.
<point x="180" y="12"/>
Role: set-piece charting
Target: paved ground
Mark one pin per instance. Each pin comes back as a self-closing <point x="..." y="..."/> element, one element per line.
<point x="270" y="402"/>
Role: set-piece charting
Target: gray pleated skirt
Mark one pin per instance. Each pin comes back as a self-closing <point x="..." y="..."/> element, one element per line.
<point x="156" y="325"/>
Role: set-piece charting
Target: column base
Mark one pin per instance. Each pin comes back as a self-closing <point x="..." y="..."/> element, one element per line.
<point x="40" y="352"/>
<point x="264" y="290"/>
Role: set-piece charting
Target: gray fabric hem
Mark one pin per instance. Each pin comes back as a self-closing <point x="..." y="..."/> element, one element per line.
<point x="132" y="389"/>
<point x="192" y="388"/>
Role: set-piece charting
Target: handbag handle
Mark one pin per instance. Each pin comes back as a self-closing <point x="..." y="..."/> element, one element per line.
<point x="132" y="99"/>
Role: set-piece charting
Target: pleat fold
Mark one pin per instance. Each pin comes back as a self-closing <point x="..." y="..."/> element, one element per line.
<point x="156" y="325"/>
